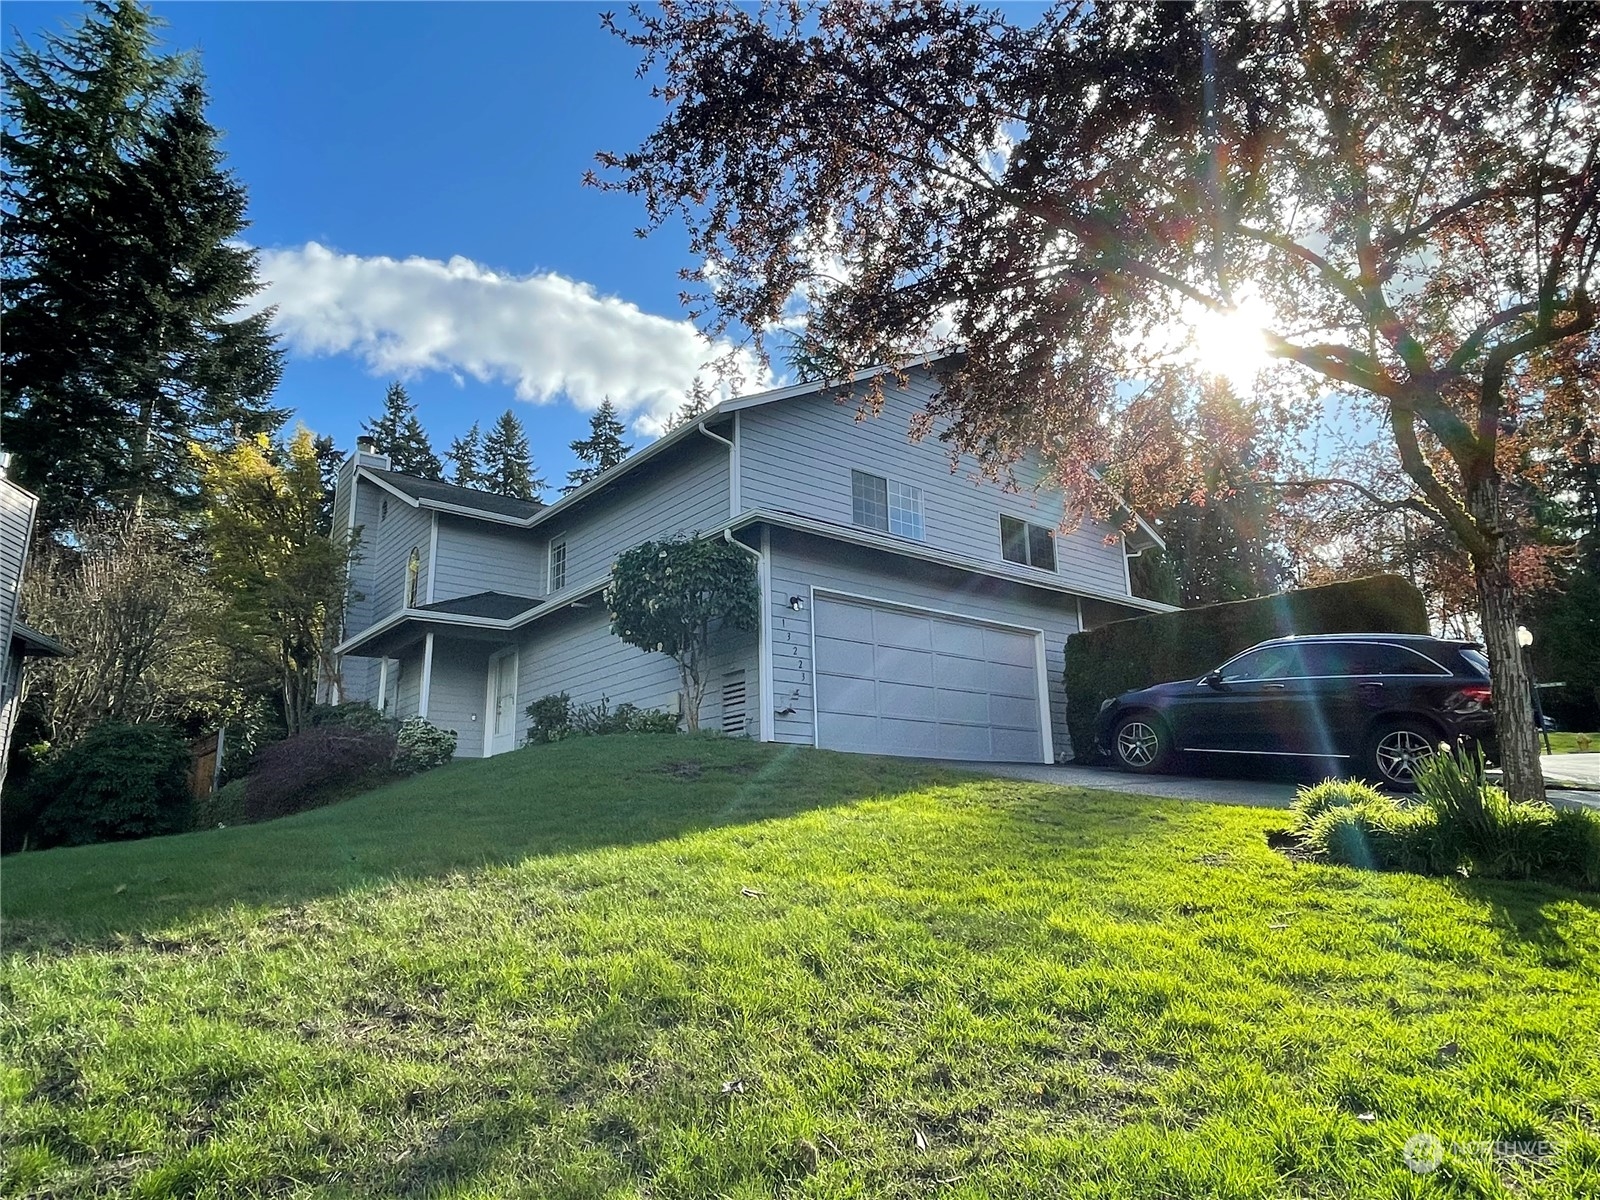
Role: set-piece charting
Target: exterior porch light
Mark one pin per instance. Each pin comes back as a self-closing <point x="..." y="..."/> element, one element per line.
<point x="797" y="603"/>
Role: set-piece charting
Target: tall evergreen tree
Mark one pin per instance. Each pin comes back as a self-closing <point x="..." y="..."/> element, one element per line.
<point x="508" y="462"/>
<point x="122" y="276"/>
<point x="602" y="449"/>
<point x="466" y="455"/>
<point x="398" y="433"/>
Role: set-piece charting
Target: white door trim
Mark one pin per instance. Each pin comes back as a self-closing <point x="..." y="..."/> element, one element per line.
<point x="1046" y="736"/>
<point x="426" y="685"/>
<point x="490" y="698"/>
<point x="766" y="684"/>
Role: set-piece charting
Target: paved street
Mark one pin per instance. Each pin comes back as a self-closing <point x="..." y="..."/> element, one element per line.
<point x="1578" y="775"/>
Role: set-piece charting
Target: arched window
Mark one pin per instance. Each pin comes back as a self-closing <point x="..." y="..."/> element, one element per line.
<point x="413" y="570"/>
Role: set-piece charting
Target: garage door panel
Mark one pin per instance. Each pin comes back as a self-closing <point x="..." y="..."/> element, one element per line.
<point x="902" y="629"/>
<point x="960" y="638"/>
<point x="906" y="700"/>
<point x="1007" y="680"/>
<point x="895" y="681"/>
<point x="966" y="674"/>
<point x="904" y="666"/>
<point x="912" y="737"/>
<point x="1014" y="745"/>
<point x="841" y="731"/>
<point x="844" y="694"/>
<point x="1013" y="712"/>
<point x="836" y="656"/>
<point x="967" y="708"/>
<point x="1013" y="648"/>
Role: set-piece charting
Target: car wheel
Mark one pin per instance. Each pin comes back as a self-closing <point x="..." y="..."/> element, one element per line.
<point x="1140" y="744"/>
<point x="1399" y="751"/>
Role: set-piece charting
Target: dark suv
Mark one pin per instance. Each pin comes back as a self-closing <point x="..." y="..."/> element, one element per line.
<point x="1379" y="704"/>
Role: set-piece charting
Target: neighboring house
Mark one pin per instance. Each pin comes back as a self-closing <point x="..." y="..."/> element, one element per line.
<point x="17" y="510"/>
<point x="908" y="608"/>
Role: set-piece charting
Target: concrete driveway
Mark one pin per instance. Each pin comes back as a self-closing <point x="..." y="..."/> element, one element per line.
<point x="1571" y="783"/>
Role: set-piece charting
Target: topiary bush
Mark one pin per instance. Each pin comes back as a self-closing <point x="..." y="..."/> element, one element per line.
<point x="1140" y="651"/>
<point x="421" y="746"/>
<point x="115" y="783"/>
<point x="315" y="767"/>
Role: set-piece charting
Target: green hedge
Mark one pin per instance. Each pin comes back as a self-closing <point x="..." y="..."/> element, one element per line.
<point x="1185" y="645"/>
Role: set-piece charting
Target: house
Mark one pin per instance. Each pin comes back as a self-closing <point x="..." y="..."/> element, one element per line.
<point x="17" y="510"/>
<point x="908" y="608"/>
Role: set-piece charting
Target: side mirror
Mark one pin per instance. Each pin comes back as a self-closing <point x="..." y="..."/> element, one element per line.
<point x="1214" y="680"/>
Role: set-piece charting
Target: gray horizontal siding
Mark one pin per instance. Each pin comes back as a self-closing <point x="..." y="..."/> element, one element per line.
<point x="477" y="557"/>
<point x="574" y="651"/>
<point x="407" y="688"/>
<point x="796" y="456"/>
<point x="392" y="538"/>
<point x="800" y="562"/>
<point x="688" y="493"/>
<point x="16" y="524"/>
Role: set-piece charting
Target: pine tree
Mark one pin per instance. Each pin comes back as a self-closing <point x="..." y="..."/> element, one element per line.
<point x="508" y="462"/>
<point x="122" y="273"/>
<point x="602" y="449"/>
<point x="466" y="454"/>
<point x="398" y="433"/>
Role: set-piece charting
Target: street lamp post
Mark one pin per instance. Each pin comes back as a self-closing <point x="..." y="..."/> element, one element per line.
<point x="1525" y="640"/>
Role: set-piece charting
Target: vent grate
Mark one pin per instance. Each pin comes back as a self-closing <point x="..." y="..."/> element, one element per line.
<point x="733" y="704"/>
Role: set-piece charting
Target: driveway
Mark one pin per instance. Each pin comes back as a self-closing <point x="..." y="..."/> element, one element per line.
<point x="1574" y="780"/>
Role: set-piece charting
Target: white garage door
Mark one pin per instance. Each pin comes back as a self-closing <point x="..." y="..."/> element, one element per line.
<point x="902" y="681"/>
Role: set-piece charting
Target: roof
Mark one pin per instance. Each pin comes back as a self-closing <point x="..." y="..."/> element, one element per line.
<point x="499" y="606"/>
<point x="448" y="493"/>
<point x="36" y="643"/>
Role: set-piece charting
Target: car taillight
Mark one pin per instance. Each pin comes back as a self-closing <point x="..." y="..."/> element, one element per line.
<point x="1473" y="698"/>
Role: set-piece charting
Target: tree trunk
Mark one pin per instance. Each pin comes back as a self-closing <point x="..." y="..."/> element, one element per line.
<point x="1513" y="692"/>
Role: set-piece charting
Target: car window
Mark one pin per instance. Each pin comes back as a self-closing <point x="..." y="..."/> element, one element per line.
<point x="1477" y="661"/>
<point x="1269" y="662"/>
<point x="1365" y="658"/>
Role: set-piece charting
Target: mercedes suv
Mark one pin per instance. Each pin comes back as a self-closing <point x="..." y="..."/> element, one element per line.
<point x="1375" y="704"/>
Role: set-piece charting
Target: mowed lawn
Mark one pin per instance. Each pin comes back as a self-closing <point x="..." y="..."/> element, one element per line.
<point x="674" y="967"/>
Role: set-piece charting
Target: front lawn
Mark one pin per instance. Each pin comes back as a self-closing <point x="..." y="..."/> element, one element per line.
<point x="1567" y="743"/>
<point x="673" y="967"/>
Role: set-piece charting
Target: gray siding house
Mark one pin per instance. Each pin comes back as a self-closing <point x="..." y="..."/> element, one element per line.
<point x="908" y="607"/>
<point x="18" y="507"/>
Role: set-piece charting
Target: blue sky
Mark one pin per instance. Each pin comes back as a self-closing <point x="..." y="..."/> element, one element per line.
<point x="415" y="185"/>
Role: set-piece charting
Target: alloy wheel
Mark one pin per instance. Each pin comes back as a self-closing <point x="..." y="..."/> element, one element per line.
<point x="1401" y="753"/>
<point x="1138" y="744"/>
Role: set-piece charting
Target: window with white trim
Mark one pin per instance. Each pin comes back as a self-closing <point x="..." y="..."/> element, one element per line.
<point x="558" y="565"/>
<point x="413" y="573"/>
<point x="886" y="505"/>
<point x="1027" y="544"/>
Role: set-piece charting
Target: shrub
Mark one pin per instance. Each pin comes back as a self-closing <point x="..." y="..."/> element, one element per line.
<point x="1573" y="846"/>
<point x="421" y="746"/>
<point x="1454" y="785"/>
<point x="1183" y="645"/>
<point x="556" y="717"/>
<point x="550" y="718"/>
<point x="1311" y="802"/>
<point x="348" y="716"/>
<point x="117" y="782"/>
<point x="315" y="767"/>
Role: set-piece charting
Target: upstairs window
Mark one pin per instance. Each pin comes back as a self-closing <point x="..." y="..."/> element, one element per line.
<point x="413" y="572"/>
<point x="558" y="565"/>
<point x="886" y="505"/>
<point x="1027" y="544"/>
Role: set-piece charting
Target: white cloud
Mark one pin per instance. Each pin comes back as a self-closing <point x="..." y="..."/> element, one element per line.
<point x="544" y="334"/>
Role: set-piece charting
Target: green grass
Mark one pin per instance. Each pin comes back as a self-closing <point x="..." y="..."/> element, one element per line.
<point x="1567" y="743"/>
<point x="668" y="968"/>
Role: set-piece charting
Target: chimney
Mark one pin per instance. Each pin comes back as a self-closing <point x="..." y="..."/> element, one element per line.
<point x="367" y="454"/>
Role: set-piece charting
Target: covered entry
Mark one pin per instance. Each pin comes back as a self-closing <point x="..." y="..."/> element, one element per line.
<point x="895" y="679"/>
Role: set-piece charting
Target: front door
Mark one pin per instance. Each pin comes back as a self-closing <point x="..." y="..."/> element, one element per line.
<point x="501" y="733"/>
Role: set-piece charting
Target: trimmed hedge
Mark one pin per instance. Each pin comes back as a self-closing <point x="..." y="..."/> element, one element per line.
<point x="1141" y="651"/>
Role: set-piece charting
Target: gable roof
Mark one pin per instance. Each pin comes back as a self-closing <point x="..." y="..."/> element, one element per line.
<point x="417" y="488"/>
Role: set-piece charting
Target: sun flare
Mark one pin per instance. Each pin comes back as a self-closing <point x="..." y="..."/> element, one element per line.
<point x="1231" y="345"/>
